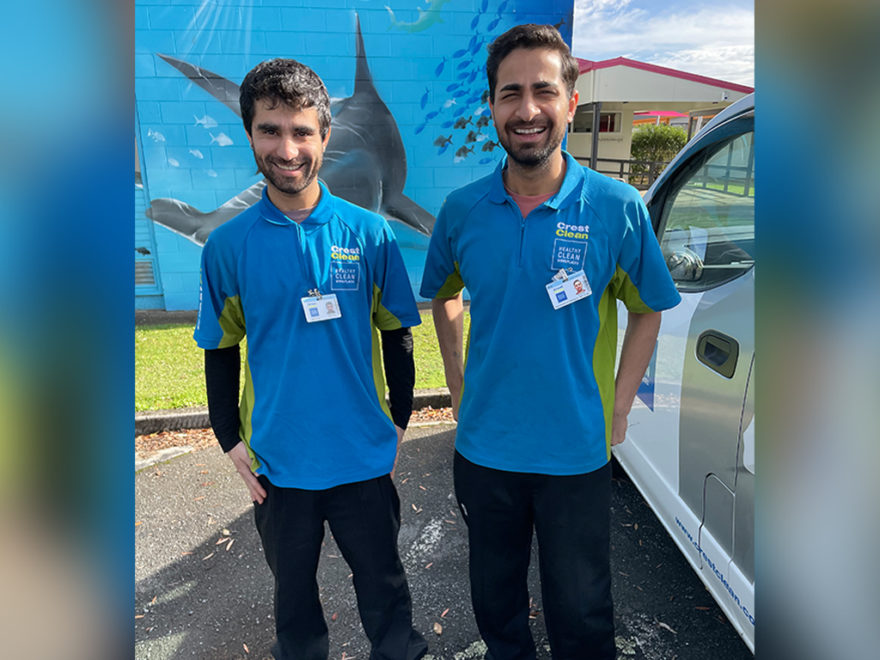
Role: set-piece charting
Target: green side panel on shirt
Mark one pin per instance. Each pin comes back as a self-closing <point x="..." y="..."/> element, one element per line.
<point x="245" y="411"/>
<point x="452" y="286"/>
<point x="605" y="350"/>
<point x="385" y="320"/>
<point x="382" y="318"/>
<point x="623" y="289"/>
<point x="231" y="322"/>
<point x="604" y="356"/>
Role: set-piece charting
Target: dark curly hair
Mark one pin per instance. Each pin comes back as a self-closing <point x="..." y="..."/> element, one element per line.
<point x="284" y="81"/>
<point x="531" y="36"/>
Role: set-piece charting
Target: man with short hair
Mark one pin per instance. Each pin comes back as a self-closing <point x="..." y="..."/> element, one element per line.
<point x="276" y="273"/>
<point x="537" y="404"/>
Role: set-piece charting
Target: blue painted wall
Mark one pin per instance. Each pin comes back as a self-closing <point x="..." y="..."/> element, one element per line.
<point x="428" y="66"/>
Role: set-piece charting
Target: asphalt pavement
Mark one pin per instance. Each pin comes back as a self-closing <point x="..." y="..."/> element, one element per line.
<point x="203" y="590"/>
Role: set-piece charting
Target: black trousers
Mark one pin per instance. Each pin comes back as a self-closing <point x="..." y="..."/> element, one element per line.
<point x="571" y="517"/>
<point x="364" y="518"/>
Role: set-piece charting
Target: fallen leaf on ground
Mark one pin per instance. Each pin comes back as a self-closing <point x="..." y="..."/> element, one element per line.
<point x="138" y="522"/>
<point x="221" y="540"/>
<point x="138" y="616"/>
<point x="229" y="545"/>
<point x="208" y="557"/>
<point x="445" y="612"/>
<point x="334" y="616"/>
<point x="438" y="629"/>
<point x="246" y="649"/>
<point x="225" y="532"/>
<point x="429" y="564"/>
<point x="666" y="627"/>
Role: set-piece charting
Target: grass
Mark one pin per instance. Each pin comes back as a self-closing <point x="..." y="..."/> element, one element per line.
<point x="169" y="367"/>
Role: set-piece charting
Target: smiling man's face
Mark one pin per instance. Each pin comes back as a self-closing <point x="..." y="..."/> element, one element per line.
<point x="532" y="107"/>
<point x="288" y="150"/>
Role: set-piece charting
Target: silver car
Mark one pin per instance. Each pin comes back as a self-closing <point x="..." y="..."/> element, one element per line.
<point x="690" y="446"/>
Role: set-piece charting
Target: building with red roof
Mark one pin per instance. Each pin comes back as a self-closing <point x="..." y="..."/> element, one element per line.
<point x="615" y="93"/>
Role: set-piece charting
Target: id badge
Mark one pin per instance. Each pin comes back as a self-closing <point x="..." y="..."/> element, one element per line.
<point x="321" y="308"/>
<point x="566" y="289"/>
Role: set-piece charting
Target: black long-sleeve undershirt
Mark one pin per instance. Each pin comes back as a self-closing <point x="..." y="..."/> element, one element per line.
<point x="223" y="365"/>
<point x="222" y="368"/>
<point x="400" y="373"/>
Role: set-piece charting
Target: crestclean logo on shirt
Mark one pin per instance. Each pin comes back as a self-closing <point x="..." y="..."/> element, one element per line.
<point x="564" y="230"/>
<point x="345" y="254"/>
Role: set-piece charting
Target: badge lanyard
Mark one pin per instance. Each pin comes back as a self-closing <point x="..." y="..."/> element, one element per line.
<point x="316" y="306"/>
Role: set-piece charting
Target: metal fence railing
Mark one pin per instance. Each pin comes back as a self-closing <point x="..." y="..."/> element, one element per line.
<point x="638" y="173"/>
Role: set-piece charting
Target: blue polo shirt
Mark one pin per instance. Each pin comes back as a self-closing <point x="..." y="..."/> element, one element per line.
<point x="539" y="383"/>
<point x="313" y="414"/>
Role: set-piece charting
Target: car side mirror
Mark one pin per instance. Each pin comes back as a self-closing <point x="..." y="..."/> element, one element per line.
<point x="684" y="265"/>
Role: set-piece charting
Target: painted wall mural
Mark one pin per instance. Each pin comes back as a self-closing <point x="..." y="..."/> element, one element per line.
<point x="409" y="102"/>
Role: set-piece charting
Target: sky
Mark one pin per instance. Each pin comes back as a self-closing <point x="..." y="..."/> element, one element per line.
<point x="715" y="39"/>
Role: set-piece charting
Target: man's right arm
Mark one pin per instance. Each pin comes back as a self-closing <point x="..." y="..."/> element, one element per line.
<point x="222" y="368"/>
<point x="448" y="316"/>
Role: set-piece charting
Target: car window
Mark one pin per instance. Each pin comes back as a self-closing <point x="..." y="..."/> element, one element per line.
<point x="709" y="234"/>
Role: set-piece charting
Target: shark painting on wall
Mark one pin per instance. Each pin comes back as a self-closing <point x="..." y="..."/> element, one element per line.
<point x="365" y="160"/>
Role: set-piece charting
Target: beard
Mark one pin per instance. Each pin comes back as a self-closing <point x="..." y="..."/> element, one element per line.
<point x="286" y="185"/>
<point x="532" y="155"/>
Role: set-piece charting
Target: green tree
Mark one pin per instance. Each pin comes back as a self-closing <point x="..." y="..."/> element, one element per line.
<point x="655" y="142"/>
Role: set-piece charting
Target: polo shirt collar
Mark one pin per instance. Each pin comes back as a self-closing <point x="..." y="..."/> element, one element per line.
<point x="320" y="215"/>
<point x="568" y="192"/>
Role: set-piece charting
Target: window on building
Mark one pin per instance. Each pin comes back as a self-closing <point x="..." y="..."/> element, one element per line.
<point x="609" y="122"/>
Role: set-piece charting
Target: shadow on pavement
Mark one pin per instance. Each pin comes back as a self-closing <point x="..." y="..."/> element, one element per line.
<point x="203" y="590"/>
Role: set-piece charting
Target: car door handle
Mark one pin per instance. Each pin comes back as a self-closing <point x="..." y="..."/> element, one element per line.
<point x="718" y="352"/>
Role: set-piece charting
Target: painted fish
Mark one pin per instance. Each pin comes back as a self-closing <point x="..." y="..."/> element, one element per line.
<point x="221" y="140"/>
<point x="207" y="121"/>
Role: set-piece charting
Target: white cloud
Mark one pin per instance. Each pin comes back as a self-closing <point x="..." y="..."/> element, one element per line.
<point x="715" y="41"/>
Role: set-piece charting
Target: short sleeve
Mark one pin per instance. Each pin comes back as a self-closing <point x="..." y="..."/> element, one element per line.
<point x="221" y="319"/>
<point x="642" y="280"/>
<point x="394" y="305"/>
<point x="441" y="277"/>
